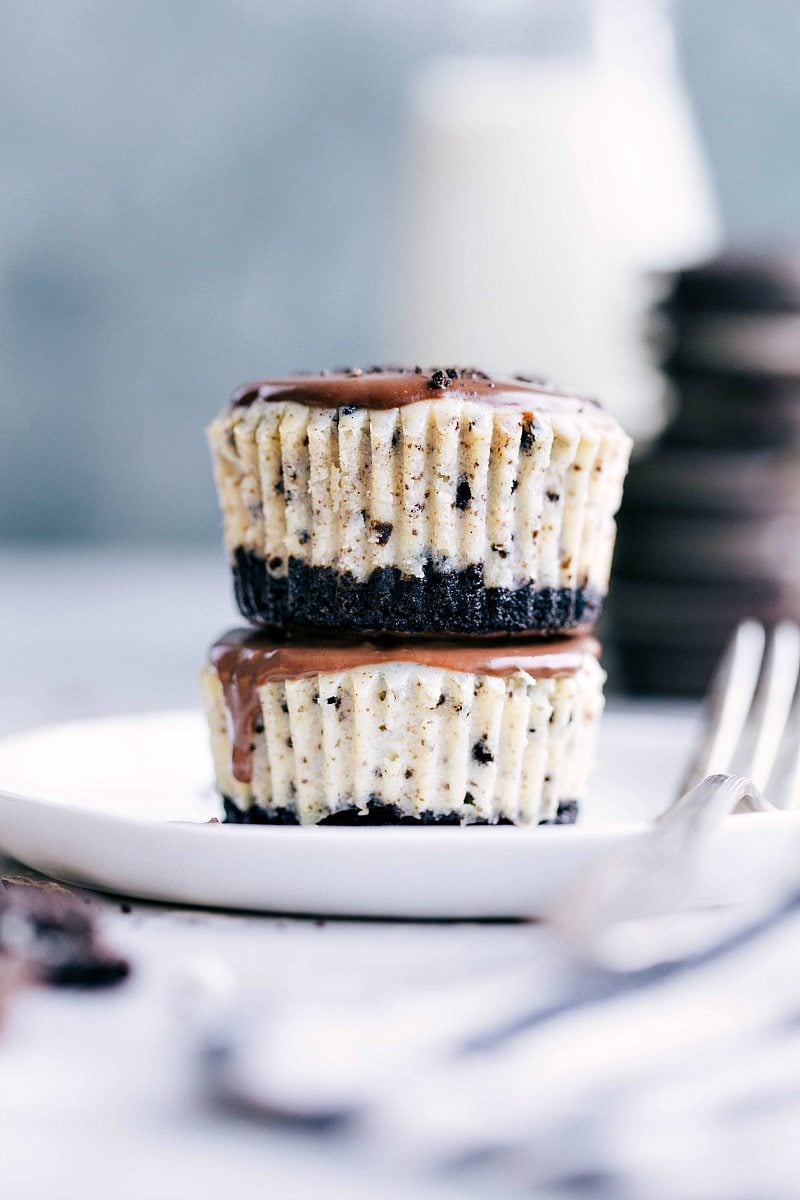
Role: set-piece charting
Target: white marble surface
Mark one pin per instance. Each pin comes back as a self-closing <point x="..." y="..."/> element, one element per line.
<point x="98" y="1093"/>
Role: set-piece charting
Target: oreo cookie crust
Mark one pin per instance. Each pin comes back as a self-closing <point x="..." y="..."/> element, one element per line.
<point x="448" y="602"/>
<point x="411" y="503"/>
<point x="375" y="813"/>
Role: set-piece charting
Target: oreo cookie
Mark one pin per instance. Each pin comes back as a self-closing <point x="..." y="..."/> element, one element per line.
<point x="709" y="531"/>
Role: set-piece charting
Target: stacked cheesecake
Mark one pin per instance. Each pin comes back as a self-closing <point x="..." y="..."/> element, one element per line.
<point x="422" y="556"/>
<point x="710" y="529"/>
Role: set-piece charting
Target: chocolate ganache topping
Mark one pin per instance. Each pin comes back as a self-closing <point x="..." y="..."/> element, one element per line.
<point x="395" y="387"/>
<point x="246" y="659"/>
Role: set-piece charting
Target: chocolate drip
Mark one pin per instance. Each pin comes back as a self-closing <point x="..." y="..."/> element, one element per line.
<point x="395" y="387"/>
<point x="245" y="660"/>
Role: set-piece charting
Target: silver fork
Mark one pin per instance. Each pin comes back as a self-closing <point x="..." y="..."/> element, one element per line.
<point x="752" y="720"/>
<point x="747" y="759"/>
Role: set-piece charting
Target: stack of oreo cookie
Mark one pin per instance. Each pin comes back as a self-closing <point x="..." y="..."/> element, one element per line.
<point x="710" y="528"/>
<point x="422" y="556"/>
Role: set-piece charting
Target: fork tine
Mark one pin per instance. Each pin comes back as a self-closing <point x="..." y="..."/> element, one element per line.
<point x="784" y="784"/>
<point x="773" y="702"/>
<point x="783" y="787"/>
<point x="730" y="697"/>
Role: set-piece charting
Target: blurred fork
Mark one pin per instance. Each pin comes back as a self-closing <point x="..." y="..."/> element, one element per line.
<point x="747" y="759"/>
<point x="752" y="718"/>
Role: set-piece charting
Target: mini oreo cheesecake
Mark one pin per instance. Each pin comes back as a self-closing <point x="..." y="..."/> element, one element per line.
<point x="343" y="730"/>
<point x="402" y="501"/>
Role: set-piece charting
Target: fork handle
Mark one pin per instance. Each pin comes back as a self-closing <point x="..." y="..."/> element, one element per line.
<point x="643" y="879"/>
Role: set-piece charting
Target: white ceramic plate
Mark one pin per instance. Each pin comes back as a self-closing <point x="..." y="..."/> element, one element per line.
<point x="121" y="804"/>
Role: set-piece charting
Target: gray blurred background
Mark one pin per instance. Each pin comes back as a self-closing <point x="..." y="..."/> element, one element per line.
<point x="194" y="194"/>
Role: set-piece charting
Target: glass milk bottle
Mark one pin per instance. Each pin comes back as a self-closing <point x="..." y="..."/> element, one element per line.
<point x="537" y="195"/>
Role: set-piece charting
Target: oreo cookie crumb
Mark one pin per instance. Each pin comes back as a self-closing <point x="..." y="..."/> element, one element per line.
<point x="440" y="379"/>
<point x="473" y="373"/>
<point x="481" y="752"/>
<point x="566" y="814"/>
<point x="383" y="531"/>
<point x="527" y="437"/>
<point x="463" y="493"/>
<point x="49" y="928"/>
